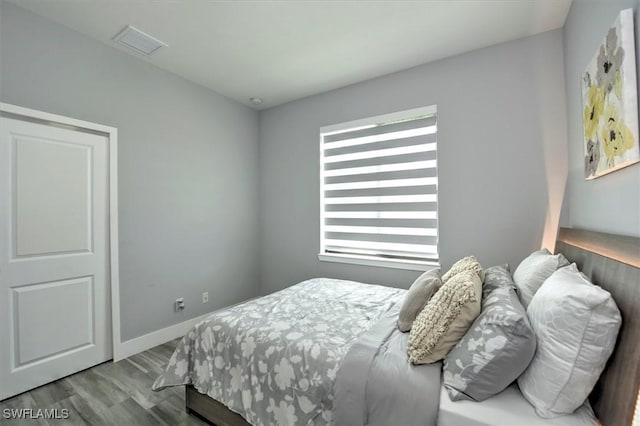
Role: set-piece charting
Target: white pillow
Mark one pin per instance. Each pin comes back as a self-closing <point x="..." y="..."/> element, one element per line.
<point x="533" y="270"/>
<point x="576" y="324"/>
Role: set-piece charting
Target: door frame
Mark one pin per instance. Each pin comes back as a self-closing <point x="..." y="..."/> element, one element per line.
<point x="29" y="114"/>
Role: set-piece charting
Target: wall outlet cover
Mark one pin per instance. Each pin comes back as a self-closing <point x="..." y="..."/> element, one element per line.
<point x="179" y="304"/>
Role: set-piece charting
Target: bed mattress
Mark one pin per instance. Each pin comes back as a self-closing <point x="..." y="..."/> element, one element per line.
<point x="508" y="408"/>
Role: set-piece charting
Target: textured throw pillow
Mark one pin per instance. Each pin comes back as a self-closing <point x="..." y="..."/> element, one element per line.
<point x="576" y="324"/>
<point x="495" y="351"/>
<point x="533" y="270"/>
<point x="445" y="319"/>
<point x="497" y="277"/>
<point x="422" y="289"/>
<point x="469" y="263"/>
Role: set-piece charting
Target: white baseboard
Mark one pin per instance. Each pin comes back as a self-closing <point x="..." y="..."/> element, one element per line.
<point x="155" y="338"/>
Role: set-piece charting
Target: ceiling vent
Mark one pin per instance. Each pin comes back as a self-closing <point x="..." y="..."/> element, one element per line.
<point x="139" y="41"/>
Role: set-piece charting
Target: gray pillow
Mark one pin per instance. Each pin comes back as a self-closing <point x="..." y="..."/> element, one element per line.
<point x="496" y="277"/>
<point x="495" y="351"/>
<point x="417" y="297"/>
<point x="576" y="324"/>
<point x="533" y="270"/>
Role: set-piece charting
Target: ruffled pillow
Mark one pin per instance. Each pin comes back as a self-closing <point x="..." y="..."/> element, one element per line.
<point x="469" y="263"/>
<point x="445" y="318"/>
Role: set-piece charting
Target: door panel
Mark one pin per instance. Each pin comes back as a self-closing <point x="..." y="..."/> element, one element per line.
<point x="54" y="299"/>
<point x="38" y="337"/>
<point x="47" y="223"/>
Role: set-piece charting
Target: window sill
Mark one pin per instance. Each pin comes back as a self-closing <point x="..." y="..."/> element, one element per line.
<point x="413" y="265"/>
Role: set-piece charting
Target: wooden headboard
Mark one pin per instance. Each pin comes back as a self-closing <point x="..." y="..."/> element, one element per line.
<point x="613" y="263"/>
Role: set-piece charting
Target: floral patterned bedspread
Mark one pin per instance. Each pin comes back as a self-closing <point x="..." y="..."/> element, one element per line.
<point x="274" y="359"/>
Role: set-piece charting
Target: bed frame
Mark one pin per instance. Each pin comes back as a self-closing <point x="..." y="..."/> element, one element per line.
<point x="210" y="410"/>
<point x="612" y="262"/>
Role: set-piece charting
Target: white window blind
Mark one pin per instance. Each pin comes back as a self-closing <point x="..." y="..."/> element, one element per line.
<point x="379" y="188"/>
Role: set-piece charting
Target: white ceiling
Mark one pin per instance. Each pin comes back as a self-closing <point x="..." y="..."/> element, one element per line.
<point x="286" y="50"/>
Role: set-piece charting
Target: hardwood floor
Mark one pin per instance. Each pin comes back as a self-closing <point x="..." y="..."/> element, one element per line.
<point x="110" y="394"/>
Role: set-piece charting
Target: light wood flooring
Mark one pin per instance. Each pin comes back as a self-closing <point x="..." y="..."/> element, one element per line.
<point x="110" y="394"/>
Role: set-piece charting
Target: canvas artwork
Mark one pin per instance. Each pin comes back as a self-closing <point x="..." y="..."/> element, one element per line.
<point x="609" y="95"/>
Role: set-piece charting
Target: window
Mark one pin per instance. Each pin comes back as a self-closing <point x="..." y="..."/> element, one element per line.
<point x="379" y="190"/>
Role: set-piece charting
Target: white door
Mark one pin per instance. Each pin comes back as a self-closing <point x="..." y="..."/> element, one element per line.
<point x="54" y="299"/>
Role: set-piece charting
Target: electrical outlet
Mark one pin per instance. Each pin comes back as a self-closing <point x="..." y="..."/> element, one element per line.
<point x="179" y="305"/>
<point x="205" y="297"/>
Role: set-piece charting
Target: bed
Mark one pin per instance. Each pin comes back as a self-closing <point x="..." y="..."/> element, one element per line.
<point x="306" y="377"/>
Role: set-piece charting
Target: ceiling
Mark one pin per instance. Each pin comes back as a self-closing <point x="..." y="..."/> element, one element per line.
<point x="285" y="50"/>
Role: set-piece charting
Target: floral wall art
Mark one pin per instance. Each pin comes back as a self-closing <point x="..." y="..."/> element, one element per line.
<point x="609" y="95"/>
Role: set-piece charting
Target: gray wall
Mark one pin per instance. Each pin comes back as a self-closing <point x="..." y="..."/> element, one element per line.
<point x="187" y="166"/>
<point x="610" y="203"/>
<point x="502" y="159"/>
